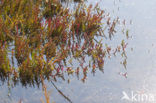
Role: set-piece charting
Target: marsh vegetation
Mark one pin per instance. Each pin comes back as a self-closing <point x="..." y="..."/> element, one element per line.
<point x="48" y="39"/>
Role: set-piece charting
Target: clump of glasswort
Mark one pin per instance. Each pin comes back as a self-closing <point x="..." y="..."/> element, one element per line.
<point x="42" y="38"/>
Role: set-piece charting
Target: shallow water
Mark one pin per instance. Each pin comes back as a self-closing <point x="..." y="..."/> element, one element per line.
<point x="109" y="87"/>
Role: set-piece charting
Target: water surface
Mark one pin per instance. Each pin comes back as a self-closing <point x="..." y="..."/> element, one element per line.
<point x="107" y="87"/>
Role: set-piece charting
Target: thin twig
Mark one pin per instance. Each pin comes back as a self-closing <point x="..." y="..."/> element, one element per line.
<point x="61" y="93"/>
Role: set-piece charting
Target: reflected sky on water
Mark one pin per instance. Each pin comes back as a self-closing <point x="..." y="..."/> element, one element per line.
<point x="108" y="87"/>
